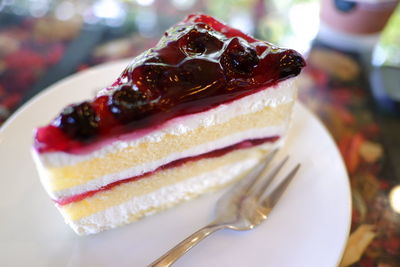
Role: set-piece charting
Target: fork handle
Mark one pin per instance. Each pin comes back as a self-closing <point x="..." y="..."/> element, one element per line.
<point x="179" y="250"/>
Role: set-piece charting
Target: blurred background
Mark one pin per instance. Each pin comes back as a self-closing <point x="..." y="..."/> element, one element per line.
<point x="352" y="81"/>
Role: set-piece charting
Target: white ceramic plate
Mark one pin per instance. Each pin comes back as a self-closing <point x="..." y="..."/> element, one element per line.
<point x="308" y="227"/>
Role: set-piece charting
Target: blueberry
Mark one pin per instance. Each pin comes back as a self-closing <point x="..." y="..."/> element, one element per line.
<point x="291" y="64"/>
<point x="147" y="75"/>
<point x="197" y="42"/>
<point x="239" y="59"/>
<point x="128" y="104"/>
<point x="78" y="121"/>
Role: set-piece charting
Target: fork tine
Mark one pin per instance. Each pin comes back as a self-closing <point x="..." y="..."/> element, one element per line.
<point x="265" y="180"/>
<point x="241" y="189"/>
<point x="272" y="198"/>
<point x="245" y="184"/>
<point x="255" y="174"/>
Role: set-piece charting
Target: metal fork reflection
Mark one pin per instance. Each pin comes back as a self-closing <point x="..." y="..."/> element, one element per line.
<point x="243" y="207"/>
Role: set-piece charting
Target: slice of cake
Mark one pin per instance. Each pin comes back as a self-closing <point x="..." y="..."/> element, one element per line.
<point x="188" y="116"/>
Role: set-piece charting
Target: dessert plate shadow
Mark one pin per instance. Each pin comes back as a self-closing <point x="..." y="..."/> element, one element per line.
<point x="308" y="227"/>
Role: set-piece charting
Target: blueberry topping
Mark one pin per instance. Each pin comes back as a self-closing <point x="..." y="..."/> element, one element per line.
<point x="200" y="64"/>
<point x="239" y="59"/>
<point x="128" y="104"/>
<point x="146" y="76"/>
<point x="196" y="42"/>
<point x="290" y="64"/>
<point x="78" y="121"/>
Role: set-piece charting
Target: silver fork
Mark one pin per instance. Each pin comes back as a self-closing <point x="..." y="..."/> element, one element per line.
<point x="243" y="207"/>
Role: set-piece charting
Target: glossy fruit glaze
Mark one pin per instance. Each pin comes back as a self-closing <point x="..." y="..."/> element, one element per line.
<point x="198" y="64"/>
<point x="212" y="154"/>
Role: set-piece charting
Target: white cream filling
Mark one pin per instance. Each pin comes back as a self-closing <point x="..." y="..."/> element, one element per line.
<point x="284" y="92"/>
<point x="164" y="197"/>
<point x="150" y="166"/>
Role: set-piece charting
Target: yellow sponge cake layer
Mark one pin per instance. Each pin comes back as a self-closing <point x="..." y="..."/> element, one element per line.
<point x="131" y="201"/>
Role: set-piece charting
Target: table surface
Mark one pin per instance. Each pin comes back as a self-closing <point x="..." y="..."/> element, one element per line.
<point x="34" y="53"/>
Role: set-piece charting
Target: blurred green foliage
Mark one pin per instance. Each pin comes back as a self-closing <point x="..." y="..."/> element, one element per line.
<point x="389" y="44"/>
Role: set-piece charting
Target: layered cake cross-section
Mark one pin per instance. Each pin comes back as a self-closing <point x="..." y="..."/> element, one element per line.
<point x="191" y="115"/>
